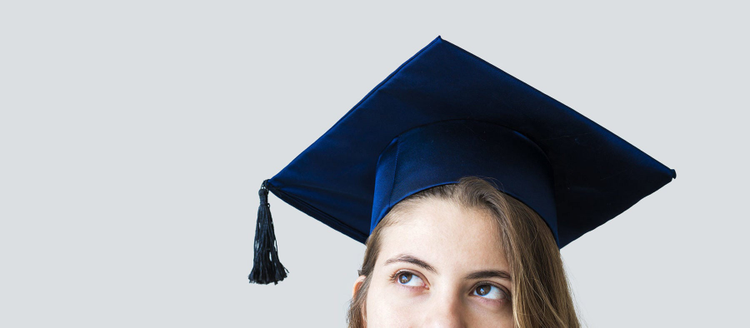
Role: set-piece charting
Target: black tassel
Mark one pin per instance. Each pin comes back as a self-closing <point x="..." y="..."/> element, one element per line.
<point x="266" y="266"/>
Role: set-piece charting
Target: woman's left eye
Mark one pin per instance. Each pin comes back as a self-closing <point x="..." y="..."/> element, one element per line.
<point x="409" y="279"/>
<point x="489" y="291"/>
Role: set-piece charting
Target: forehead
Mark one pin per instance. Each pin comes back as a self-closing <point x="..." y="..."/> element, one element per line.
<point x="445" y="234"/>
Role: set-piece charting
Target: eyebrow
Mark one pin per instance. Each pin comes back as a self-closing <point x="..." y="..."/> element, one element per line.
<point x="484" y="274"/>
<point x="412" y="260"/>
<point x="489" y="274"/>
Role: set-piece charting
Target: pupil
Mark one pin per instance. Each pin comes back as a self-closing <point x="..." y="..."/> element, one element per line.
<point x="483" y="290"/>
<point x="404" y="278"/>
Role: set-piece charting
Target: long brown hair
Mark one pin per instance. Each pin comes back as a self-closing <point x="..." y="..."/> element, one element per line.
<point x="541" y="295"/>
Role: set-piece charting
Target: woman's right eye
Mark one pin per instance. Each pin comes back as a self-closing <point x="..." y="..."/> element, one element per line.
<point x="409" y="279"/>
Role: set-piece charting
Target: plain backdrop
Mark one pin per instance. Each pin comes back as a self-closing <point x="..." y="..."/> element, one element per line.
<point x="134" y="136"/>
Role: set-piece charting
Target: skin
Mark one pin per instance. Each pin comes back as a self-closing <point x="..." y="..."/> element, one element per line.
<point x="440" y="265"/>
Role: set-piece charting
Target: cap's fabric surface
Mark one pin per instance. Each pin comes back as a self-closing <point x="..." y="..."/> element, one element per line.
<point x="444" y="152"/>
<point x="579" y="174"/>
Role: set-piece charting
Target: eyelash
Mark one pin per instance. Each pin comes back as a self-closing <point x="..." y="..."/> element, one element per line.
<point x="505" y="292"/>
<point x="395" y="275"/>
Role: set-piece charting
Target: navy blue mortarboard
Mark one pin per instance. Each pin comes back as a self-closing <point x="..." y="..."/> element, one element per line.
<point x="446" y="114"/>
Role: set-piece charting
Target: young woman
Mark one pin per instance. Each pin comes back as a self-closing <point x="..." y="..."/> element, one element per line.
<point x="462" y="255"/>
<point x="445" y="248"/>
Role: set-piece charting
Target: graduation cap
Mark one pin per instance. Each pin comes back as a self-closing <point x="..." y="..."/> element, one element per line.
<point x="445" y="114"/>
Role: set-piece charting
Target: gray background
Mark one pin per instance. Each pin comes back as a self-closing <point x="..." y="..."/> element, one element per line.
<point x="134" y="136"/>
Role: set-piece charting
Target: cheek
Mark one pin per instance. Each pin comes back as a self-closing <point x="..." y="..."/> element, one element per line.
<point x="386" y="306"/>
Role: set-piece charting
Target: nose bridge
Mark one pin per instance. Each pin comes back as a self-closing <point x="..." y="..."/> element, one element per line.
<point x="446" y="310"/>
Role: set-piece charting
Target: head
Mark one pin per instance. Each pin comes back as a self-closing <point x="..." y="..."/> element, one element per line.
<point x="461" y="255"/>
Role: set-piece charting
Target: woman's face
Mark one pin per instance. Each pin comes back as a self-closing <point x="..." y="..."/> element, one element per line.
<point x="440" y="265"/>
